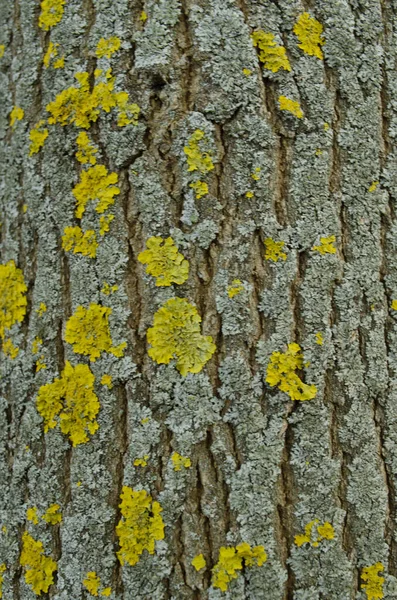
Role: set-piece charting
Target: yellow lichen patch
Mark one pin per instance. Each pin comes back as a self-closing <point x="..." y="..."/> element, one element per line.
<point x="256" y="174"/>
<point x="95" y="184"/>
<point x="140" y="527"/>
<point x="24" y="208"/>
<point x="274" y="250"/>
<point x="232" y="560"/>
<point x="394" y="305"/>
<point x="104" y="223"/>
<point x="326" y="245"/>
<point x="86" y="152"/>
<point x="37" y="136"/>
<point x="143" y="16"/>
<point x="234" y="289"/>
<point x="319" y="338"/>
<point x="107" y="380"/>
<point x="315" y="533"/>
<point x="180" y="461"/>
<point x="164" y="261"/>
<point x="249" y="194"/>
<point x="53" y="515"/>
<point x="39" y="567"/>
<point x="31" y="515"/>
<point x="16" y="114"/>
<point x="2" y="569"/>
<point x="373" y="585"/>
<point x="200" y="187"/>
<point x="51" y="13"/>
<point x="12" y="296"/>
<point x="92" y="583"/>
<point x="197" y="160"/>
<point x="247" y="72"/>
<point x="141" y="462"/>
<point x="107" y="47"/>
<point x="199" y="562"/>
<point x="108" y="289"/>
<point x="59" y="63"/>
<point x="51" y="52"/>
<point x="281" y="371"/>
<point x="308" y="31"/>
<point x="2" y="50"/>
<point x="88" y="332"/>
<point x="42" y="309"/>
<point x="40" y="364"/>
<point x="291" y="106"/>
<point x="71" y="402"/>
<point x="326" y="126"/>
<point x="81" y="105"/>
<point x="9" y="349"/>
<point x="36" y="344"/>
<point x="373" y="186"/>
<point x="81" y="243"/>
<point x="176" y="334"/>
<point x="273" y="56"/>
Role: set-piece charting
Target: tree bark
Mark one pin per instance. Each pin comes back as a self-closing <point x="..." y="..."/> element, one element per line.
<point x="263" y="465"/>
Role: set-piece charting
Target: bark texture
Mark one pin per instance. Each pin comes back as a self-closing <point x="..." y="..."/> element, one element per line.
<point x="262" y="466"/>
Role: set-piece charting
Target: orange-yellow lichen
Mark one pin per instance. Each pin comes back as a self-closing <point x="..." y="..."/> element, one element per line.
<point x="108" y="289"/>
<point x="9" y="349"/>
<point x="232" y="560"/>
<point x="326" y="245"/>
<point x="176" y="334"/>
<point x="88" y="332"/>
<point x="31" y="515"/>
<point x="2" y="50"/>
<point x="12" y="296"/>
<point x="39" y="567"/>
<point x="323" y="532"/>
<point x="16" y="114"/>
<point x="140" y="527"/>
<point x="71" y="402"/>
<point x="51" y="13"/>
<point x="234" y="289"/>
<point x="42" y="309"/>
<point x="95" y="184"/>
<point x="281" y="371"/>
<point x="273" y="56"/>
<point x="52" y="52"/>
<point x="247" y="72"/>
<point x="291" y="106"/>
<point x="180" y="461"/>
<point x="107" y="47"/>
<point x="86" y="151"/>
<point x="373" y="585"/>
<point x="82" y="105"/>
<point x="80" y="242"/>
<point x="53" y="515"/>
<point x="274" y="250"/>
<point x="256" y="174"/>
<point x="37" y="136"/>
<point x="394" y="305"/>
<point x="104" y="223"/>
<point x="199" y="562"/>
<point x="2" y="569"/>
<point x="373" y="186"/>
<point x="198" y="160"/>
<point x="141" y="462"/>
<point x="308" y="31"/>
<point x="143" y="16"/>
<point x="319" y="338"/>
<point x="200" y="188"/>
<point x="164" y="261"/>
<point x="92" y="584"/>
<point x="107" y="380"/>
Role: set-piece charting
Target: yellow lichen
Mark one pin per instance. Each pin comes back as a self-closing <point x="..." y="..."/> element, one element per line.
<point x="53" y="515"/>
<point x="274" y="250"/>
<point x="42" y="309"/>
<point x="9" y="349"/>
<point x="88" y="332"/>
<point x="273" y="56"/>
<point x="326" y="245"/>
<point x="104" y="223"/>
<point x="200" y="187"/>
<point x="143" y="16"/>
<point x="39" y="567"/>
<point x="308" y="31"/>
<point x="323" y="532"/>
<point x="249" y="194"/>
<point x="2" y="50"/>
<point x="16" y="114"/>
<point x="197" y="160"/>
<point x="37" y="136"/>
<point x="80" y="242"/>
<point x="373" y="585"/>
<point x="232" y="560"/>
<point x="107" y="47"/>
<point x="141" y="462"/>
<point x="31" y="515"/>
<point x="36" y="344"/>
<point x="291" y="106"/>
<point x="40" y="364"/>
<point x="71" y="402"/>
<point x="247" y="72"/>
<point x="281" y="371"/>
<point x="59" y="63"/>
<point x="24" y="208"/>
<point x="95" y="184"/>
<point x="373" y="186"/>
<point x="107" y="380"/>
<point x="180" y="461"/>
<point x="164" y="261"/>
<point x="108" y="289"/>
<point x="394" y="305"/>
<point x="12" y="296"/>
<point x="176" y="334"/>
<point x="140" y="527"/>
<point x="51" y="52"/>
<point x="51" y="13"/>
<point x="199" y="562"/>
<point x="319" y="338"/>
<point x="2" y="569"/>
<point x="256" y="174"/>
<point x="234" y="289"/>
<point x="92" y="583"/>
<point x="81" y="105"/>
<point x="86" y="152"/>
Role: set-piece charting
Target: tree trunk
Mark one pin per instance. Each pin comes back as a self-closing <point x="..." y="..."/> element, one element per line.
<point x="264" y="147"/>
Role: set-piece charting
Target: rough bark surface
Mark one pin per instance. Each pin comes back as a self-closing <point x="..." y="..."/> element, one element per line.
<point x="262" y="466"/>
